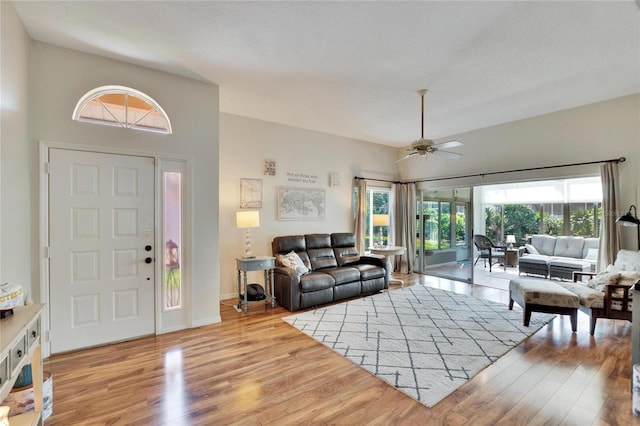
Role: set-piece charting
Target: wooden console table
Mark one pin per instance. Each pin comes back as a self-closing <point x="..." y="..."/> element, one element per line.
<point x="20" y="346"/>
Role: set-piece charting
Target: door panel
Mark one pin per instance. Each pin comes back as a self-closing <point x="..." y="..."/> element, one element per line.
<point x="101" y="214"/>
<point x="443" y="230"/>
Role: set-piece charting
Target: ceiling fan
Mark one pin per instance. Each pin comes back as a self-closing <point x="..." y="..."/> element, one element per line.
<point x="426" y="146"/>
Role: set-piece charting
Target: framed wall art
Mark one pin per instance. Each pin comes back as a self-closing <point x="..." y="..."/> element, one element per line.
<point x="270" y="167"/>
<point x="250" y="193"/>
<point x="301" y="203"/>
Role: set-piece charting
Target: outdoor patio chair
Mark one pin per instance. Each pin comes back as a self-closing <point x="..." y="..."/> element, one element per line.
<point x="489" y="251"/>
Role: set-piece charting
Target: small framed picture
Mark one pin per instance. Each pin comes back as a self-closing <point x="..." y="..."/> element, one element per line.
<point x="250" y="193"/>
<point x="270" y="167"/>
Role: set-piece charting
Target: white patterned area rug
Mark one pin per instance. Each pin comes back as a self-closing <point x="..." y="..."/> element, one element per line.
<point x="424" y="341"/>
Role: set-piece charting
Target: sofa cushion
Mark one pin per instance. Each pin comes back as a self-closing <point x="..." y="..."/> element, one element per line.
<point x="321" y="258"/>
<point x="545" y="244"/>
<point x="569" y="247"/>
<point x="628" y="260"/>
<point x="567" y="262"/>
<point x="537" y="259"/>
<point x="591" y="255"/>
<point x="542" y="292"/>
<point x="343" y="275"/>
<point x="315" y="281"/>
<point x="315" y="241"/>
<point x="589" y="297"/>
<point x="369" y="272"/>
<point x="289" y="243"/>
<point x="346" y="255"/>
<point x="591" y="245"/>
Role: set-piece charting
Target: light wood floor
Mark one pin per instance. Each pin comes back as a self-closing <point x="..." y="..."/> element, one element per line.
<point x="256" y="369"/>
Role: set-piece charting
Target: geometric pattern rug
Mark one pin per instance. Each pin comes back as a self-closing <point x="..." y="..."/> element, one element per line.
<point x="423" y="341"/>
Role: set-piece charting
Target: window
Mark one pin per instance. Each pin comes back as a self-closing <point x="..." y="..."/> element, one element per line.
<point x="436" y="217"/>
<point x="563" y="207"/>
<point x="378" y="229"/>
<point x="122" y="107"/>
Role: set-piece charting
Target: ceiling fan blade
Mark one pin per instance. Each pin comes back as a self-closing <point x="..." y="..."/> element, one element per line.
<point x="447" y="154"/>
<point x="449" y="144"/>
<point x="405" y="157"/>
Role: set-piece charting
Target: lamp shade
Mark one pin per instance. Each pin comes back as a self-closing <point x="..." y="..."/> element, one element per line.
<point x="380" y="220"/>
<point x="511" y="239"/>
<point x="248" y="219"/>
<point x="629" y="218"/>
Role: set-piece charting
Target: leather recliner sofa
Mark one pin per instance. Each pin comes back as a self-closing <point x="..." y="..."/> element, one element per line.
<point x="336" y="270"/>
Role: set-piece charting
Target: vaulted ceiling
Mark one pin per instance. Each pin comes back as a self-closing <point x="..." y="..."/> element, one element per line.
<point x="353" y="68"/>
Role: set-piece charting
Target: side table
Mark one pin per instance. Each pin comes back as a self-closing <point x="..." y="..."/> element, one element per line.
<point x="511" y="257"/>
<point x="388" y="252"/>
<point x="260" y="263"/>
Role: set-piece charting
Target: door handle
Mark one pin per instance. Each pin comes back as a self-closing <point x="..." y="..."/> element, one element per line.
<point x="147" y="248"/>
<point x="148" y="260"/>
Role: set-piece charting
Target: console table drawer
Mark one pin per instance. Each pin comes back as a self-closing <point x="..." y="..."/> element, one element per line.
<point x="18" y="352"/>
<point x="256" y="263"/>
<point x="33" y="334"/>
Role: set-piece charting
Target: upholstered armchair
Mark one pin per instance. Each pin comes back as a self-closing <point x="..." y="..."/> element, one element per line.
<point x="608" y="294"/>
<point x="489" y="251"/>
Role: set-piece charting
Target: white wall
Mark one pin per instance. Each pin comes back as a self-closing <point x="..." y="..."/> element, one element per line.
<point x="244" y="145"/>
<point x="59" y="77"/>
<point x="600" y="131"/>
<point x="16" y="262"/>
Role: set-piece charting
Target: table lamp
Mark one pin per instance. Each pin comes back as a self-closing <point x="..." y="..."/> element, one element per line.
<point x="247" y="219"/>
<point x="630" y="219"/>
<point x="511" y="239"/>
<point x="381" y="220"/>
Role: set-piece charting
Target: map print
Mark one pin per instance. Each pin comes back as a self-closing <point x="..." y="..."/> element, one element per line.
<point x="301" y="204"/>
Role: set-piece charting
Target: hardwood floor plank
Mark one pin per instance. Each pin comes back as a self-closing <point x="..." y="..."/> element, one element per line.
<point x="255" y="369"/>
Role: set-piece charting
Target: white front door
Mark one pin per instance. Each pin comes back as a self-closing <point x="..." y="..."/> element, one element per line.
<point x="101" y="254"/>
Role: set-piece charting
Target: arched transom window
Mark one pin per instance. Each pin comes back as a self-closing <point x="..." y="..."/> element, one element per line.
<point x="122" y="107"/>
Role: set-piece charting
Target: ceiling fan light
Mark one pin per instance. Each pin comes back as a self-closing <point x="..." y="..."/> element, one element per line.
<point x="424" y="146"/>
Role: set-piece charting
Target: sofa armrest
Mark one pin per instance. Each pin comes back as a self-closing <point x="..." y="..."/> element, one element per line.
<point x="580" y="274"/>
<point x="611" y="295"/>
<point x="373" y="259"/>
<point x="287" y="287"/>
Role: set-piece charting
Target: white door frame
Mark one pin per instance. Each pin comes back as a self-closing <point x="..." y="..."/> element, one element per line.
<point x="160" y="325"/>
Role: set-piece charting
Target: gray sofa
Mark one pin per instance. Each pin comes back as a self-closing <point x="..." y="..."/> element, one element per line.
<point x="336" y="270"/>
<point x="558" y="257"/>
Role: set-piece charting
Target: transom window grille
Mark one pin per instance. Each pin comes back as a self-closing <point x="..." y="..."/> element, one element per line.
<point x="121" y="106"/>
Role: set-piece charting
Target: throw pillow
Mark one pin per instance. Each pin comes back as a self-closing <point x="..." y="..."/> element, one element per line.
<point x="592" y="254"/>
<point x="610" y="275"/>
<point x="628" y="278"/>
<point x="531" y="249"/>
<point x="293" y="261"/>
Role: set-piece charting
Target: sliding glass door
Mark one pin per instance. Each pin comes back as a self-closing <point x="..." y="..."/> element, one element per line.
<point x="443" y="238"/>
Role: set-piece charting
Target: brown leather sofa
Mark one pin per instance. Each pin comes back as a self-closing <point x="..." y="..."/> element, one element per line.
<point x="336" y="270"/>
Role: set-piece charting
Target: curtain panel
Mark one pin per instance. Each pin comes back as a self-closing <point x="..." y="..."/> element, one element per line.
<point x="361" y="214"/>
<point x="403" y="218"/>
<point x="609" y="244"/>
